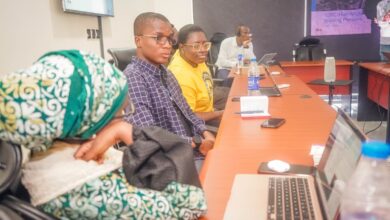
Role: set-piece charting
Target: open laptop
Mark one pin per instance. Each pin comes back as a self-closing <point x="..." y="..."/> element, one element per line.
<point x="318" y="196"/>
<point x="267" y="58"/>
<point x="271" y="91"/>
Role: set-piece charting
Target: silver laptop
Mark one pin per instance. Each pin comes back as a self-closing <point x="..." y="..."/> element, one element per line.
<point x="271" y="91"/>
<point x="301" y="196"/>
<point x="267" y="58"/>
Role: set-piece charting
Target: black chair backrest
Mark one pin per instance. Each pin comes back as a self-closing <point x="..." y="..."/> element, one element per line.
<point x="302" y="53"/>
<point x="12" y="207"/>
<point x="216" y="41"/>
<point x="122" y="56"/>
<point x="317" y="52"/>
<point x="10" y="164"/>
<point x="309" y="48"/>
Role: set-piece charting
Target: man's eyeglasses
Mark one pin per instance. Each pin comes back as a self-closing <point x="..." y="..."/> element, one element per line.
<point x="198" y="46"/>
<point x="160" y="39"/>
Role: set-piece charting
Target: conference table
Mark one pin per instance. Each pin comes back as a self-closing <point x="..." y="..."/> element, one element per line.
<point x="309" y="71"/>
<point x="374" y="86"/>
<point x="241" y="144"/>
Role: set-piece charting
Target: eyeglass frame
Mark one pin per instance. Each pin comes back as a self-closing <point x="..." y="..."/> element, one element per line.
<point x="168" y="39"/>
<point x="200" y="44"/>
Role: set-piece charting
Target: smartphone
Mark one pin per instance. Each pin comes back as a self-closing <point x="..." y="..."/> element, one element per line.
<point x="294" y="169"/>
<point x="273" y="123"/>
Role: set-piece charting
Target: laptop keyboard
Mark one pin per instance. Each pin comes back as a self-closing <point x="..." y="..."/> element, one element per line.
<point x="289" y="198"/>
<point x="269" y="91"/>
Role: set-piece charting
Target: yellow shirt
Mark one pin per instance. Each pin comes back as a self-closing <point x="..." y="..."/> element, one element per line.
<point x="196" y="83"/>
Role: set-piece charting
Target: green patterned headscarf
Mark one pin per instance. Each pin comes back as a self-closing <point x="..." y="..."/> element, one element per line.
<point x="65" y="94"/>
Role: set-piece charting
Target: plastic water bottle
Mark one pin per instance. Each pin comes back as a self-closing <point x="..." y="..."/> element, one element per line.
<point x="253" y="78"/>
<point x="367" y="195"/>
<point x="240" y="61"/>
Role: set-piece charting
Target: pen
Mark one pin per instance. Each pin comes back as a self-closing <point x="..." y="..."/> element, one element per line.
<point x="249" y="112"/>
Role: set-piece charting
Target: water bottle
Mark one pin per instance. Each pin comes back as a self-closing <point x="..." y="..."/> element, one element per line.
<point x="367" y="195"/>
<point x="294" y="55"/>
<point x="253" y="78"/>
<point x="240" y="61"/>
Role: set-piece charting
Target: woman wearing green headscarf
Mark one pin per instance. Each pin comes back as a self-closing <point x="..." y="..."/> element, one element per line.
<point x="73" y="95"/>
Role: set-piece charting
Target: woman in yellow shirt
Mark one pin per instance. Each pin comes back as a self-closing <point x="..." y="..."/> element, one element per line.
<point x="189" y="67"/>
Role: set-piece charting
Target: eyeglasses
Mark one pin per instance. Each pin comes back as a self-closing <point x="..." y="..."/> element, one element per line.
<point x="160" y="39"/>
<point x="198" y="46"/>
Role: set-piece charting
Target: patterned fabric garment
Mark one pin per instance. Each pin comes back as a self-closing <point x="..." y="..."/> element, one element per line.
<point x="79" y="87"/>
<point x="111" y="197"/>
<point x="69" y="94"/>
<point x="154" y="103"/>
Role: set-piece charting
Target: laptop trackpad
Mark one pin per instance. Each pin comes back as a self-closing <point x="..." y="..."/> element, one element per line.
<point x="248" y="198"/>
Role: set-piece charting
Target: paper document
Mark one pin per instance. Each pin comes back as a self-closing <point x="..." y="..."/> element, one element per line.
<point x="254" y="106"/>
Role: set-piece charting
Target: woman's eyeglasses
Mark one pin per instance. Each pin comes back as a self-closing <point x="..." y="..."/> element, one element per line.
<point x="160" y="39"/>
<point x="200" y="46"/>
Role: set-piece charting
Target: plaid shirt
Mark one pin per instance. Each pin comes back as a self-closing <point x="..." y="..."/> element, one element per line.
<point x="154" y="103"/>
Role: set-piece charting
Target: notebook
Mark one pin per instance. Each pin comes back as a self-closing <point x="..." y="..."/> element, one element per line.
<point x="258" y="196"/>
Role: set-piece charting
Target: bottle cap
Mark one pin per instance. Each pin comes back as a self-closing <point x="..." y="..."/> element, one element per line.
<point x="376" y="149"/>
<point x="253" y="59"/>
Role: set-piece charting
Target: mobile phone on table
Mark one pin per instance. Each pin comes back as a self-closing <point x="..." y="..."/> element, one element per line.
<point x="273" y="123"/>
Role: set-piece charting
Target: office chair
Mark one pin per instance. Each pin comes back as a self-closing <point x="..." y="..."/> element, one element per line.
<point x="122" y="56"/>
<point x="309" y="49"/>
<point x="11" y="206"/>
<point x="216" y="41"/>
<point x="302" y="53"/>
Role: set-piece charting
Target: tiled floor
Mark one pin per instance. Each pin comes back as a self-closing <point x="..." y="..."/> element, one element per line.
<point x="373" y="129"/>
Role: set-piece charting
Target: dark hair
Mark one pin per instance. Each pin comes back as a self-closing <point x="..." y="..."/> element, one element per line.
<point x="238" y="29"/>
<point x="142" y="19"/>
<point x="186" y="31"/>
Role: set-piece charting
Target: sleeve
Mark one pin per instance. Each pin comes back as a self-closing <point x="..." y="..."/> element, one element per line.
<point x="223" y="60"/>
<point x="139" y="95"/>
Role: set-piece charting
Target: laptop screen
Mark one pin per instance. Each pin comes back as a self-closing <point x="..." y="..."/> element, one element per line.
<point x="267" y="58"/>
<point x="338" y="162"/>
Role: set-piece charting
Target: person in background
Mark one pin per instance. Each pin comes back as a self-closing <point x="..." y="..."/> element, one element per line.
<point x="194" y="77"/>
<point x="383" y="21"/>
<point x="230" y="49"/>
<point x="67" y="110"/>
<point x="154" y="90"/>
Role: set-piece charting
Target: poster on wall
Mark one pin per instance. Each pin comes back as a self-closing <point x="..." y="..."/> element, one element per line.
<point x="338" y="17"/>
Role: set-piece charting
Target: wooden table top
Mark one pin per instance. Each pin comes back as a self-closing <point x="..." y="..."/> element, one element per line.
<point x="379" y="67"/>
<point x="241" y="144"/>
<point x="313" y="63"/>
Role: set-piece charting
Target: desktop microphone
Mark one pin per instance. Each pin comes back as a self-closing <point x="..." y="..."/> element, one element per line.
<point x="330" y="70"/>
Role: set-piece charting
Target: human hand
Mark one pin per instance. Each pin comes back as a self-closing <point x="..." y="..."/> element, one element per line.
<point x="233" y="72"/>
<point x="206" y="146"/>
<point x="246" y="43"/>
<point x="95" y="148"/>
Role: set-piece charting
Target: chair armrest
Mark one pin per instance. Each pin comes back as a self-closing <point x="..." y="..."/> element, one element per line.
<point x="25" y="209"/>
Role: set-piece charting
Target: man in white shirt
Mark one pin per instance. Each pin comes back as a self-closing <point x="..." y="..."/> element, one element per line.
<point x="231" y="47"/>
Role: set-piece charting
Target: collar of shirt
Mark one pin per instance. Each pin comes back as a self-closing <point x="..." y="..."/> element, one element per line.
<point x="156" y="71"/>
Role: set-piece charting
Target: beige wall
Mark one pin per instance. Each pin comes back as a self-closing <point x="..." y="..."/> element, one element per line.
<point x="29" y="28"/>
